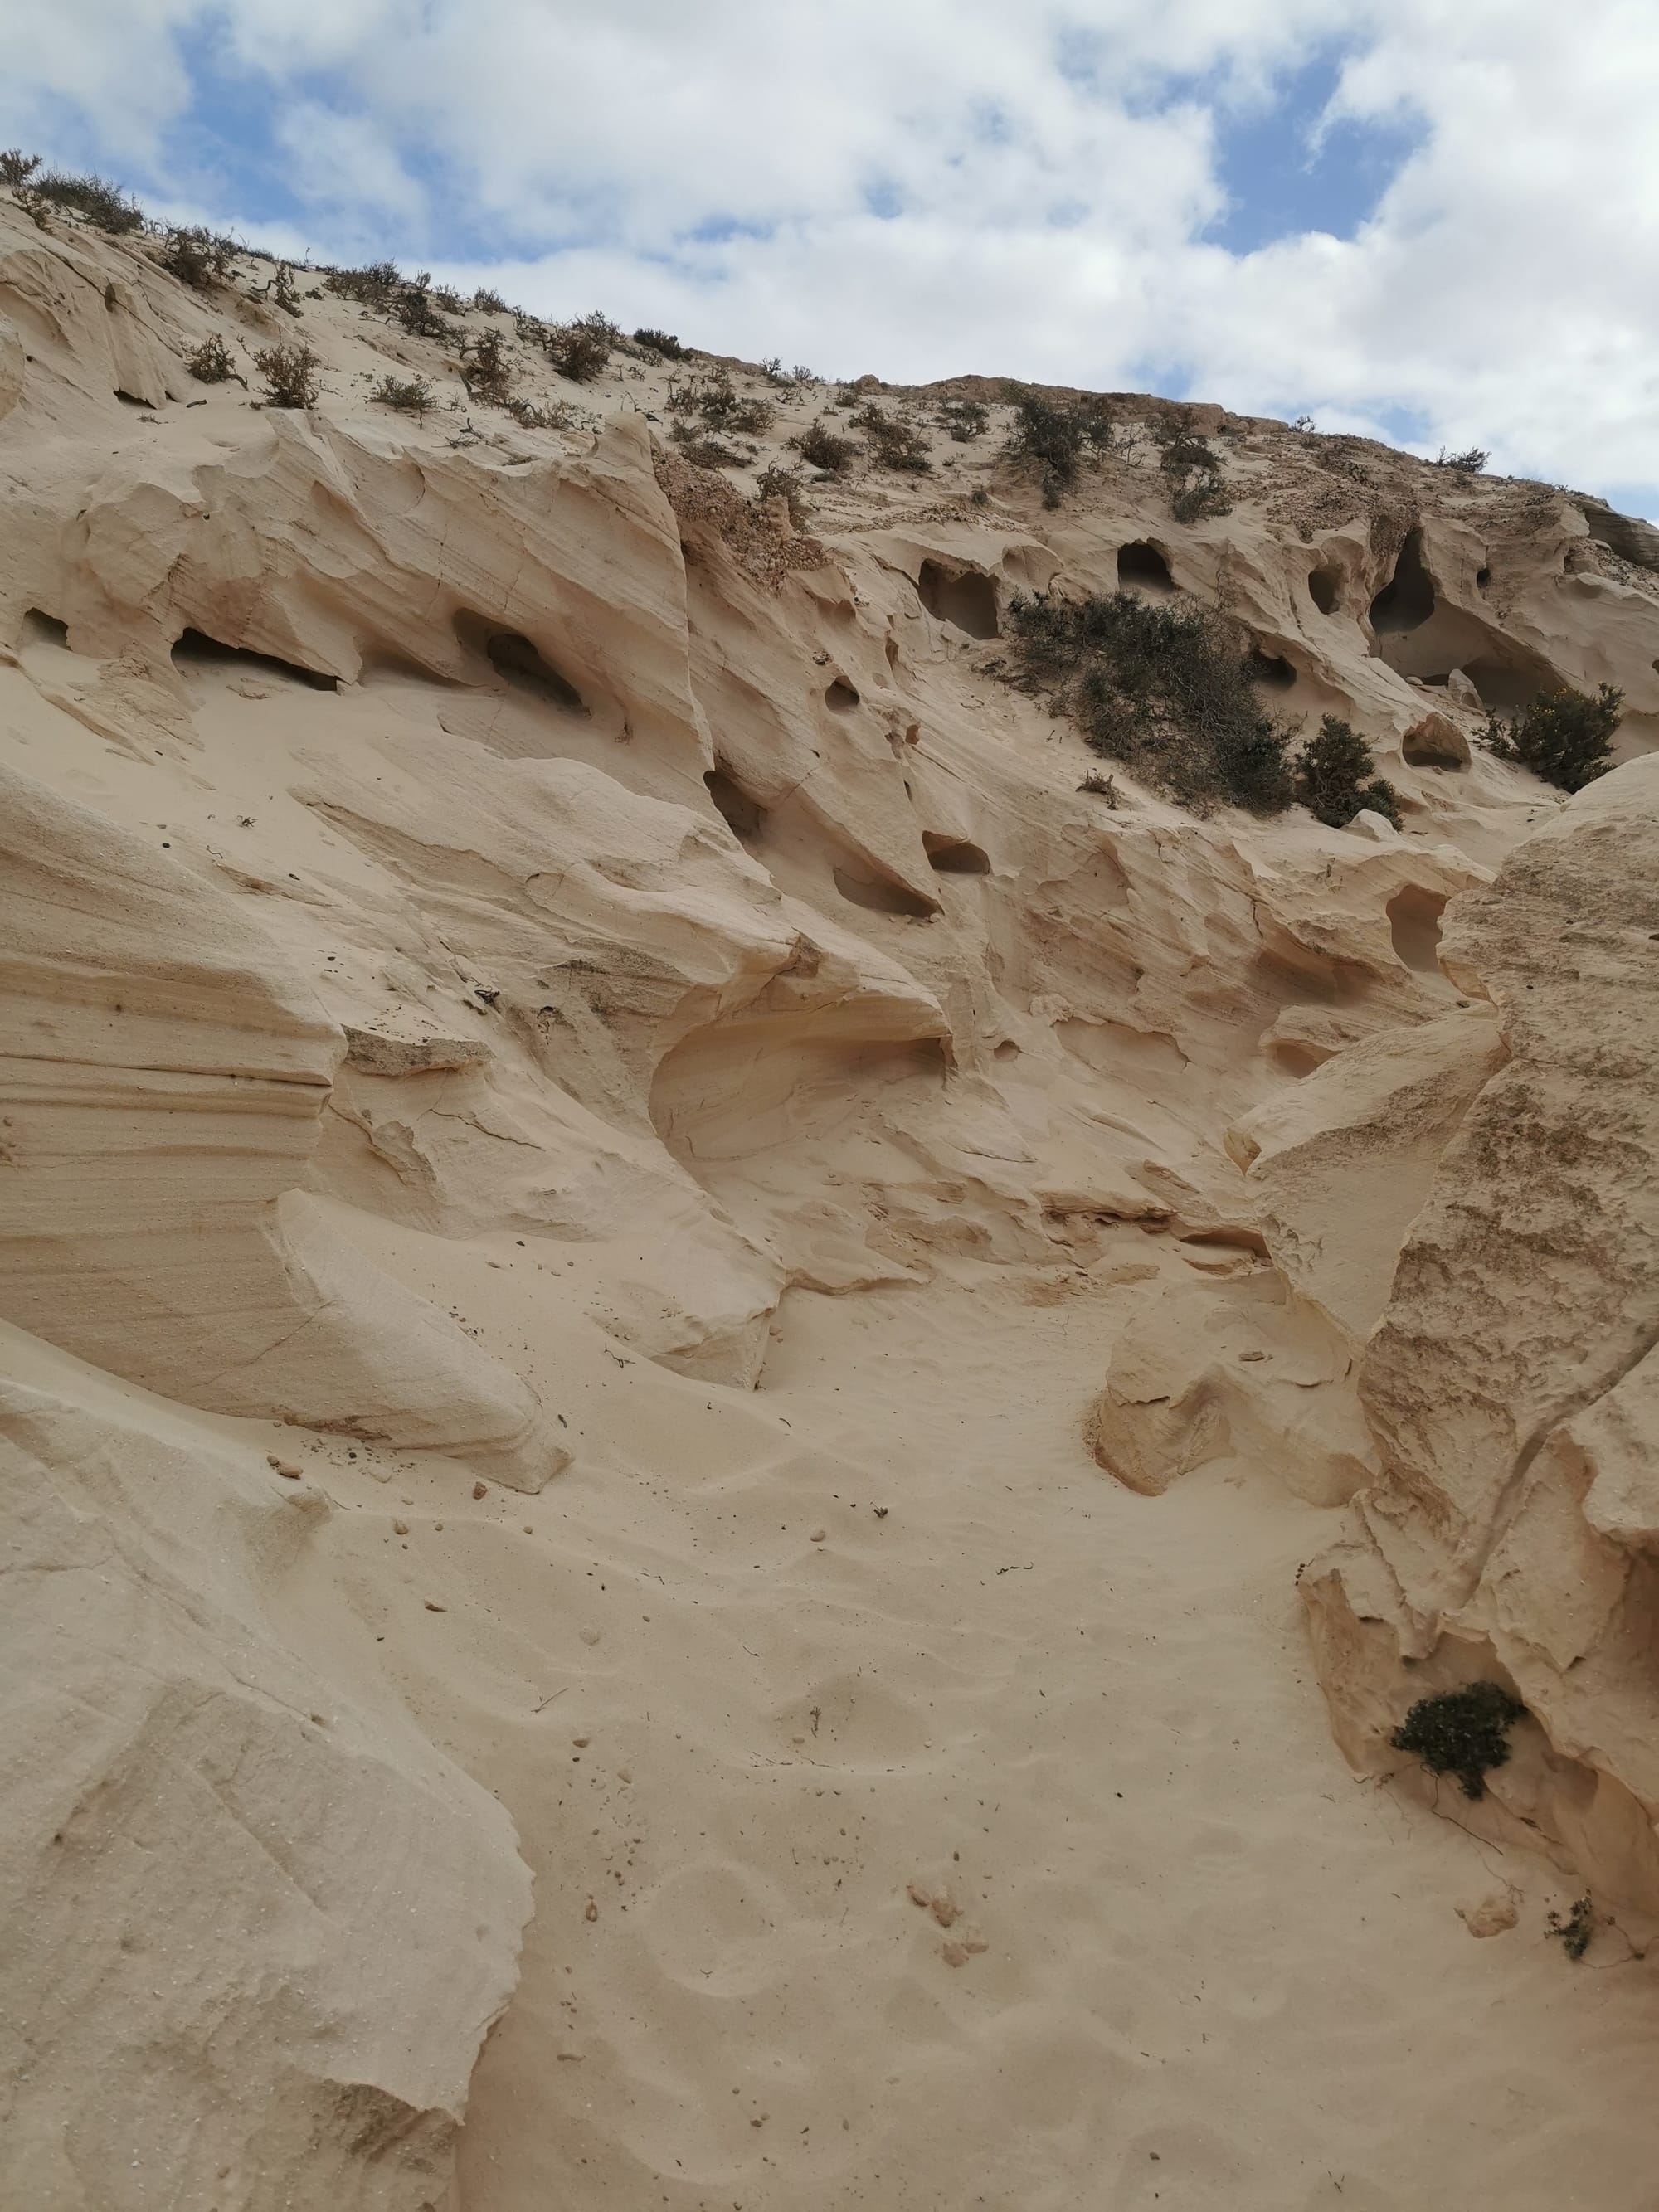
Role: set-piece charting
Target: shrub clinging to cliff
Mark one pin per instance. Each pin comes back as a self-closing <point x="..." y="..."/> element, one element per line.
<point x="1164" y="689"/>
<point x="1562" y="736"/>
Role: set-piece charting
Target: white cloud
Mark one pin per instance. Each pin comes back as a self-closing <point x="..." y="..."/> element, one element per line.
<point x="1046" y="174"/>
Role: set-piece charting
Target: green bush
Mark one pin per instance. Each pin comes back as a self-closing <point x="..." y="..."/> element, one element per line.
<point x="581" y="350"/>
<point x="894" y="444"/>
<point x="290" y="375"/>
<point x="1562" y="736"/>
<point x="820" y="448"/>
<point x="484" y="371"/>
<point x="777" y="483"/>
<point x="1055" y="436"/>
<point x="1193" y="469"/>
<point x="1336" y="776"/>
<point x="965" y="419"/>
<point x="487" y="302"/>
<point x="1164" y="689"/>
<point x="104" y="205"/>
<point x="201" y="258"/>
<point x="1462" y="1732"/>
<point x="374" y="286"/>
<point x="561" y="415"/>
<point x="412" y="396"/>
<point x="17" y="166"/>
<point x="662" y="341"/>
<point x="211" y="362"/>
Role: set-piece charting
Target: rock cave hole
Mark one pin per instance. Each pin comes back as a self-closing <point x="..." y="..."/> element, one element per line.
<point x="1482" y="578"/>
<point x="195" y="649"/>
<point x="954" y="856"/>
<point x="1271" y="670"/>
<point x="1141" y="566"/>
<point x="1325" y="589"/>
<point x="882" y="895"/>
<point x="44" y="630"/>
<point x="1006" y="1051"/>
<point x="961" y="596"/>
<point x="743" y="816"/>
<point x="1406" y="600"/>
<point x="841" y="698"/>
<point x="1502" y="684"/>
<point x="1414" y="921"/>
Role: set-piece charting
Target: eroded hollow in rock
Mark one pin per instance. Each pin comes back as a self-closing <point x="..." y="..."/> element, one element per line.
<point x="1415" y="922"/>
<point x="1142" y="568"/>
<point x="960" y="596"/>
<point x="1271" y="670"/>
<point x="1325" y="589"/>
<point x="194" y="649"/>
<point x="882" y="895"/>
<point x="1406" y="600"/>
<point x="841" y="698"/>
<point x="955" y="856"/>
<point x="745" y="817"/>
<point x="44" y="630"/>
<point x="1501" y="683"/>
<point x="523" y="664"/>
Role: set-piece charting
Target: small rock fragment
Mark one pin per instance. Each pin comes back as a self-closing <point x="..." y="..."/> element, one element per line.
<point x="818" y="1535"/>
<point x="1489" y="1915"/>
<point x="400" y="1527"/>
<point x="945" y="1908"/>
<point x="919" y="1894"/>
<point x="432" y="1606"/>
<point x="286" y="1468"/>
<point x="954" y="1954"/>
<point x="481" y="1490"/>
<point x="591" y="1911"/>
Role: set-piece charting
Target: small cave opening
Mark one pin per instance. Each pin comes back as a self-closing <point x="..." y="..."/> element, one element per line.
<point x="519" y="663"/>
<point x="40" y="629"/>
<point x="882" y="895"/>
<point x="1325" y="589"/>
<point x="960" y="596"/>
<point x="1006" y="1051"/>
<point x="1406" y="600"/>
<point x="1141" y="566"/>
<point x="1501" y="683"/>
<point x="1482" y="578"/>
<point x="195" y="649"/>
<point x="1415" y="922"/>
<point x="954" y="856"/>
<point x="1271" y="670"/>
<point x="745" y="817"/>
<point x="841" y="698"/>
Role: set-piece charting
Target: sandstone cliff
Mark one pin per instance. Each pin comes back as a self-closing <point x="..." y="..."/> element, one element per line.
<point x="527" y="955"/>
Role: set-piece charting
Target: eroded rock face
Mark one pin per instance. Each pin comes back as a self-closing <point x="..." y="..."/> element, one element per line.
<point x="257" y="1925"/>
<point x="162" y="1086"/>
<point x="517" y="872"/>
<point x="1507" y="1384"/>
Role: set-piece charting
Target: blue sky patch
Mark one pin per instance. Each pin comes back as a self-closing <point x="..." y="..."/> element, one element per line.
<point x="1283" y="178"/>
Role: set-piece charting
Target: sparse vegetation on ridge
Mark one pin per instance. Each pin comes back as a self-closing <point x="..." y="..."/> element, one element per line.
<point x="1053" y="437"/>
<point x="1166" y="690"/>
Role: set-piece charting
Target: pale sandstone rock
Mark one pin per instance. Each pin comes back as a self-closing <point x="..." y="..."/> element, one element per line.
<point x="257" y="1925"/>
<point x="1507" y="1384"/>
<point x="161" y="1100"/>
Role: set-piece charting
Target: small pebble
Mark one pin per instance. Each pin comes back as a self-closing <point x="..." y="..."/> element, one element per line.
<point x="582" y="1743"/>
<point x="481" y="1490"/>
<point x="288" y="1470"/>
<point x="400" y="1527"/>
<point x="591" y="1912"/>
<point x="818" y="1535"/>
<point x="432" y="1606"/>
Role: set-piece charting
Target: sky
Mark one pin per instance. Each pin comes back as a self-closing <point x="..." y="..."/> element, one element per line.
<point x="1434" y="221"/>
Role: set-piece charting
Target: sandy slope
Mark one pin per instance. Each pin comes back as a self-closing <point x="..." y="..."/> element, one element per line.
<point x="769" y="1096"/>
